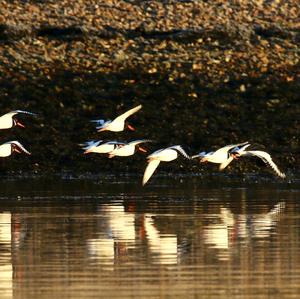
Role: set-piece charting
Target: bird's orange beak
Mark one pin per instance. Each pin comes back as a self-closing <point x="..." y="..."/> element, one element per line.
<point x="17" y="151"/>
<point x="130" y="127"/>
<point x="19" y="124"/>
<point x="142" y="149"/>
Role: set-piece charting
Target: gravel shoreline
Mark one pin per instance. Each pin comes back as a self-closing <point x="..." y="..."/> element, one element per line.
<point x="207" y="74"/>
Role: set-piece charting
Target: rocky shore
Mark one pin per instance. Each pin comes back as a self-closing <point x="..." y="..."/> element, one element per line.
<point x="207" y="73"/>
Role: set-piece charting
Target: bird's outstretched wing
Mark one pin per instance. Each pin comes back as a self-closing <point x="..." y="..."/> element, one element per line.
<point x="98" y="121"/>
<point x="88" y="144"/>
<point x="20" y="146"/>
<point x="267" y="159"/>
<point x="240" y="148"/>
<point x="228" y="147"/>
<point x="24" y="112"/>
<point x="152" y="165"/>
<point x="14" y="112"/>
<point x="123" y="116"/>
<point x="117" y="143"/>
<point x="136" y="142"/>
<point x="200" y="155"/>
<point x="181" y="151"/>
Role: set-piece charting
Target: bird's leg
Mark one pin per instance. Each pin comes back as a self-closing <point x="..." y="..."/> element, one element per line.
<point x="19" y="124"/>
<point x="142" y="149"/>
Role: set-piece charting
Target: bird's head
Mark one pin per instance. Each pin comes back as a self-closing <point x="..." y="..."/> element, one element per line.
<point x="18" y="148"/>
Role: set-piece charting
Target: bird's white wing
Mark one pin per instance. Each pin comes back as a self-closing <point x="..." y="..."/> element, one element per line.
<point x="226" y="148"/>
<point x="90" y="144"/>
<point x="268" y="160"/>
<point x="105" y="124"/>
<point x="225" y="163"/>
<point x="152" y="165"/>
<point x="98" y="121"/>
<point x="123" y="116"/>
<point x="181" y="151"/>
<point x="20" y="146"/>
<point x="136" y="142"/>
<point x="116" y="142"/>
<point x="10" y="114"/>
<point x="239" y="149"/>
<point x="277" y="209"/>
<point x="200" y="155"/>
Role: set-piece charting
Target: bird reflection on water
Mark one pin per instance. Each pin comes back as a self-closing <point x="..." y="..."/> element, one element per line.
<point x="6" y="267"/>
<point x="241" y="228"/>
<point x="138" y="240"/>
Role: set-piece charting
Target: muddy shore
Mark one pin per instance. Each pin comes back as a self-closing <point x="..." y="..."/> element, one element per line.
<point x="207" y="73"/>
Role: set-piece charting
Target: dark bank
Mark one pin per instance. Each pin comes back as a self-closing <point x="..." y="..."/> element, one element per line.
<point x="213" y="74"/>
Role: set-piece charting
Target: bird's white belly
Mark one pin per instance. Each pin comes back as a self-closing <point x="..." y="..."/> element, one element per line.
<point x="168" y="155"/>
<point x="104" y="148"/>
<point x="124" y="151"/>
<point x="5" y="150"/>
<point x="6" y="122"/>
<point x="219" y="158"/>
<point x="116" y="126"/>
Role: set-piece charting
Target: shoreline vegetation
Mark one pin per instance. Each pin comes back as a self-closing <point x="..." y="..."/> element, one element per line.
<point x="208" y="73"/>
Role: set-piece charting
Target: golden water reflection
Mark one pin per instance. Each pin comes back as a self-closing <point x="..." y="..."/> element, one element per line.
<point x="6" y="267"/>
<point x="123" y="246"/>
<point x="240" y="228"/>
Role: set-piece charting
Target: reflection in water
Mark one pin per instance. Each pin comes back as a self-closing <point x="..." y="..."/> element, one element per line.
<point x="239" y="228"/>
<point x="117" y="234"/>
<point x="163" y="246"/>
<point x="216" y="245"/>
<point x="121" y="223"/>
<point x="6" y="272"/>
<point x="101" y="250"/>
<point x="259" y="226"/>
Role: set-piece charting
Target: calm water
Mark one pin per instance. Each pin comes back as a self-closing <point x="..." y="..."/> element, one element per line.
<point x="175" y="238"/>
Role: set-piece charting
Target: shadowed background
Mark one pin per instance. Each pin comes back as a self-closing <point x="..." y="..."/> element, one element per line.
<point x="207" y="74"/>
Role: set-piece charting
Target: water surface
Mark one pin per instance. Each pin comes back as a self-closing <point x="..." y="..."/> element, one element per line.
<point x="181" y="237"/>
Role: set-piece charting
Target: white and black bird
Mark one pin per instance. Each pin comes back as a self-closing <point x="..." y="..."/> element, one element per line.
<point x="236" y="153"/>
<point x="118" y="124"/>
<point x="7" y="148"/>
<point x="100" y="147"/>
<point x="166" y="155"/>
<point x="221" y="156"/>
<point x="128" y="149"/>
<point x="9" y="119"/>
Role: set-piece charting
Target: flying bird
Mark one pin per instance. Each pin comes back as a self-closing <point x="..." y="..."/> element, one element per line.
<point x="9" y="119"/>
<point x="236" y="153"/>
<point x="118" y="124"/>
<point x="221" y="156"/>
<point x="7" y="148"/>
<point x="100" y="147"/>
<point x="165" y="155"/>
<point x="128" y="149"/>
